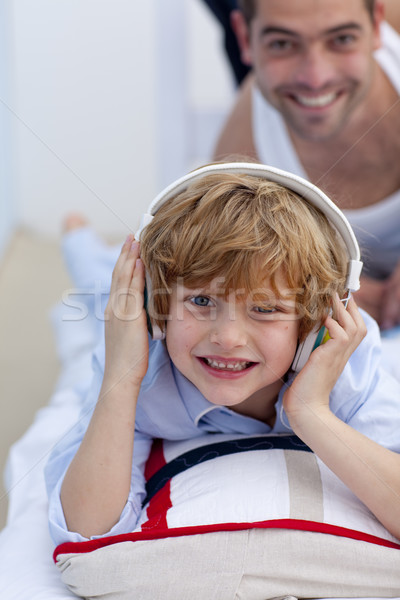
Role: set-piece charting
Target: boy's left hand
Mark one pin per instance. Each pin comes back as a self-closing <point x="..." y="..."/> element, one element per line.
<point x="312" y="386"/>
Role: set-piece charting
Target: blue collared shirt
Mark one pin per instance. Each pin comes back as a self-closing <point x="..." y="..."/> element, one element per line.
<point x="171" y="407"/>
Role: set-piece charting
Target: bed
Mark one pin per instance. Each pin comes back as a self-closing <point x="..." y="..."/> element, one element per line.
<point x="27" y="568"/>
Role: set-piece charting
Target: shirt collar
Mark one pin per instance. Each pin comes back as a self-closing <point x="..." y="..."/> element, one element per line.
<point x="198" y="407"/>
<point x="195" y="403"/>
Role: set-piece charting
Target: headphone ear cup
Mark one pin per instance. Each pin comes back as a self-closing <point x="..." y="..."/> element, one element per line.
<point x="157" y="333"/>
<point x="314" y="339"/>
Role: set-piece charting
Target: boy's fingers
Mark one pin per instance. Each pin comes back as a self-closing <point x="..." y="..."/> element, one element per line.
<point x="125" y="266"/>
<point x="127" y="279"/>
<point x="122" y="258"/>
<point x="354" y="311"/>
<point x="134" y="296"/>
<point x="137" y="281"/>
<point x="352" y="322"/>
<point x="349" y="325"/>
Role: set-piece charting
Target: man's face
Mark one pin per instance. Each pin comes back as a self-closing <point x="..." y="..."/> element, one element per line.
<point x="313" y="60"/>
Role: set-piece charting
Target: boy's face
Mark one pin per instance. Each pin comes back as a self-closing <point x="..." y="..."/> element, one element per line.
<point x="235" y="350"/>
<point x="313" y="60"/>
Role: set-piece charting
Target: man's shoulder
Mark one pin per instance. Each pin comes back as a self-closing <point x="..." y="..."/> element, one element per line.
<point x="392" y="13"/>
<point x="236" y="137"/>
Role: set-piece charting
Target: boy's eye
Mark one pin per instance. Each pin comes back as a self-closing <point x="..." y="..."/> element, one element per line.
<point x="265" y="310"/>
<point x="201" y="301"/>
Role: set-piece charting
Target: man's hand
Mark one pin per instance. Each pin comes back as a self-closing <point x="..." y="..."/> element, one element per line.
<point x="370" y="297"/>
<point x="390" y="312"/>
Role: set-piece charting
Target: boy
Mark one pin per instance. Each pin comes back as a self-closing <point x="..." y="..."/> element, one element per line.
<point x="240" y="270"/>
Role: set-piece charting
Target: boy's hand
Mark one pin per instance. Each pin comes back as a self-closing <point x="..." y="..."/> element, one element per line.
<point x="309" y="393"/>
<point x="97" y="483"/>
<point x="126" y="336"/>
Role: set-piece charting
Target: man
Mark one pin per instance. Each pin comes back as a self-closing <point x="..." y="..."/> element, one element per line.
<point x="324" y="102"/>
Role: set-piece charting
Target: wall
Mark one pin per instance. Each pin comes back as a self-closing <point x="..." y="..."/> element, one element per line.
<point x="111" y="101"/>
<point x="84" y="90"/>
<point x="7" y="207"/>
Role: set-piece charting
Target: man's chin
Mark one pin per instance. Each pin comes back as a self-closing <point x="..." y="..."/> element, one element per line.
<point x="318" y="127"/>
<point x="314" y="130"/>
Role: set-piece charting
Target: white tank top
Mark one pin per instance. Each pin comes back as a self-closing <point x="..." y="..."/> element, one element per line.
<point x="377" y="227"/>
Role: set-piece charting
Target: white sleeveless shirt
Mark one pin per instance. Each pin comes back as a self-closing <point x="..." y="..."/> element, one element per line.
<point x="377" y="227"/>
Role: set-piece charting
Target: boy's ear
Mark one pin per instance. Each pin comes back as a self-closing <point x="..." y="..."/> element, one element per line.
<point x="242" y="32"/>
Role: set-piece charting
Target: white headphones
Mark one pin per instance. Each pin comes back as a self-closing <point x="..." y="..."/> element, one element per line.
<point x="297" y="184"/>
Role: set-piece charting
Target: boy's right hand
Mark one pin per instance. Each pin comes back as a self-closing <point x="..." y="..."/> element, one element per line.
<point x="97" y="483"/>
<point x="126" y="337"/>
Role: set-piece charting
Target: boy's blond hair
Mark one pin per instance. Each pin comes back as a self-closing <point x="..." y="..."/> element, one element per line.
<point x="246" y="231"/>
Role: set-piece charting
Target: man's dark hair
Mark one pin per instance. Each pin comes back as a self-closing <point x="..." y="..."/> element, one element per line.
<point x="248" y="8"/>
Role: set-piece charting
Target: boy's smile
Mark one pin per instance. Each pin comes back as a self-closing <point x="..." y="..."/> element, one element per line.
<point x="235" y="350"/>
<point x="221" y="367"/>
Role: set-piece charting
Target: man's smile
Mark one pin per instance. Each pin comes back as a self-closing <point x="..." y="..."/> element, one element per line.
<point x="315" y="101"/>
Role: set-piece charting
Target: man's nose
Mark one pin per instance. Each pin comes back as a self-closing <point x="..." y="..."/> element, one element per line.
<point x="315" y="68"/>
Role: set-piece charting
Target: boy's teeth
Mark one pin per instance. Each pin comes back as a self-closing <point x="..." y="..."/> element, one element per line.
<point x="229" y="366"/>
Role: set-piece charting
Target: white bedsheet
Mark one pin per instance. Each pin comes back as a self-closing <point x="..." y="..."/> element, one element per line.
<point x="27" y="571"/>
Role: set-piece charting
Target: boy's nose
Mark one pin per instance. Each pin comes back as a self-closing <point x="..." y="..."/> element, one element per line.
<point x="228" y="334"/>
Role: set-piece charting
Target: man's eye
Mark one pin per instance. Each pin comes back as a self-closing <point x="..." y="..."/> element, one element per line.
<point x="280" y="45"/>
<point x="345" y="40"/>
<point x="200" y="301"/>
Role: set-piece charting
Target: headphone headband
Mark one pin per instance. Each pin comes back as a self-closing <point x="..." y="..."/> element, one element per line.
<point x="297" y="184"/>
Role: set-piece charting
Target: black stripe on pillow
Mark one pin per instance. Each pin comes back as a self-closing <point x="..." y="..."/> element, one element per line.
<point x="210" y="451"/>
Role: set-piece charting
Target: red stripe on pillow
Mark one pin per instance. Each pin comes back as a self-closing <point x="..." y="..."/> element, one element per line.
<point x="157" y="509"/>
<point x="156" y="459"/>
<point x="158" y="533"/>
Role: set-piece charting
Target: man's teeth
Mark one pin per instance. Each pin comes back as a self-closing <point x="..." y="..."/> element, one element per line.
<point x="317" y="101"/>
<point x="227" y="366"/>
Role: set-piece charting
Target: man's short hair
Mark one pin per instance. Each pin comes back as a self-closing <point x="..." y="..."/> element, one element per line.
<point x="248" y="8"/>
<point x="247" y="232"/>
